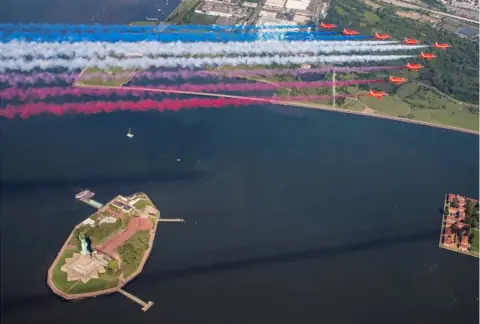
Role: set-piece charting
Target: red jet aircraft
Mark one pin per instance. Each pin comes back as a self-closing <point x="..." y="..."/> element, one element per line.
<point x="327" y="26"/>
<point x="382" y="36"/>
<point x="378" y="94"/>
<point x="410" y="41"/>
<point x="349" y="32"/>
<point x="415" y="67"/>
<point x="442" y="46"/>
<point x="397" y="80"/>
<point x="428" y="56"/>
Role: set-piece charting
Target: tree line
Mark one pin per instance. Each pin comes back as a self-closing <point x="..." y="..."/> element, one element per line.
<point x="453" y="72"/>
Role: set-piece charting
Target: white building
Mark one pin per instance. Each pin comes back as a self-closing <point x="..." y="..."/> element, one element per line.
<point x="219" y="10"/>
<point x="250" y="4"/>
<point x="268" y="14"/>
<point x="226" y="2"/>
<point x="275" y="4"/>
<point x="301" y="19"/>
<point x="266" y="21"/>
<point x="297" y="4"/>
<point x="89" y="222"/>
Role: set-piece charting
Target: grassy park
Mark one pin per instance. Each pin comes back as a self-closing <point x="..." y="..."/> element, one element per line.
<point x="132" y="252"/>
<point x="105" y="80"/>
<point x="59" y="277"/>
<point x="474" y="246"/>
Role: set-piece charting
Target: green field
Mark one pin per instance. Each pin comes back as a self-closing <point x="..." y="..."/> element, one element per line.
<point x="143" y="23"/>
<point x="427" y="105"/>
<point x="132" y="252"/>
<point x="475" y="243"/>
<point x="388" y="105"/>
<point x="113" y="82"/>
<point x="106" y="280"/>
<point x="201" y="19"/>
<point x="59" y="277"/>
<point x="353" y="104"/>
<point x="141" y="204"/>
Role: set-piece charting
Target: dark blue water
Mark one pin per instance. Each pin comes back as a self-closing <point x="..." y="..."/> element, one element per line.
<point x="302" y="216"/>
<point x="82" y="12"/>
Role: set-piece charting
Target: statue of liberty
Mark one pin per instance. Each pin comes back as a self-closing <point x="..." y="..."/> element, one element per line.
<point x="84" y="242"/>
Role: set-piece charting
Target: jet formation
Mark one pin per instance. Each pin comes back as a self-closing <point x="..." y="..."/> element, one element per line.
<point x="407" y="41"/>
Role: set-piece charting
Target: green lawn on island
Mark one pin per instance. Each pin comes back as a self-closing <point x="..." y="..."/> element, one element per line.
<point x="115" y="81"/>
<point x="106" y="280"/>
<point x="474" y="246"/>
<point x="132" y="252"/>
<point x="142" y="203"/>
<point x="59" y="277"/>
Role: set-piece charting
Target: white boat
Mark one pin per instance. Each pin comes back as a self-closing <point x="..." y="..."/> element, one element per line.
<point x="129" y="135"/>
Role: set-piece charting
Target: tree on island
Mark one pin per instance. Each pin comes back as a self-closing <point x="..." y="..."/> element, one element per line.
<point x="455" y="203"/>
<point x="446" y="212"/>
<point x="470" y="208"/>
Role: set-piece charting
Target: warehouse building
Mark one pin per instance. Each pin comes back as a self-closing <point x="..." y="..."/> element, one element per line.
<point x="274" y="4"/>
<point x="297" y="4"/>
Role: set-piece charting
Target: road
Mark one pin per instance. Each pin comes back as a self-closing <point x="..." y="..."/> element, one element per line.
<point x="287" y="103"/>
<point x="412" y="6"/>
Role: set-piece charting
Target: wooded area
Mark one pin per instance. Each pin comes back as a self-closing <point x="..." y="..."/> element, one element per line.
<point x="454" y="71"/>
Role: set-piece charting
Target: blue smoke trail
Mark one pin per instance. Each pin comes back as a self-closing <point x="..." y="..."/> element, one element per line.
<point x="173" y="37"/>
<point x="126" y="28"/>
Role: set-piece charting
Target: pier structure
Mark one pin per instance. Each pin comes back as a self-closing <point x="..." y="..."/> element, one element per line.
<point x="145" y="306"/>
<point x="86" y="197"/>
<point x="171" y="220"/>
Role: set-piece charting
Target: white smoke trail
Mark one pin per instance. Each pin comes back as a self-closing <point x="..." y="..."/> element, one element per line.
<point x="97" y="49"/>
<point x="171" y="62"/>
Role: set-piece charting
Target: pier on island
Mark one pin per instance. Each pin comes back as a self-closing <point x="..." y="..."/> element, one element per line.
<point x="145" y="306"/>
<point x="86" y="197"/>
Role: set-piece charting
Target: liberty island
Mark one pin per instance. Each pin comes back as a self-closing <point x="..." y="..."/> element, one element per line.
<point x="108" y="249"/>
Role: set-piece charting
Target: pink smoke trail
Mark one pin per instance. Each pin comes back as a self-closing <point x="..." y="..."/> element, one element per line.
<point x="258" y="86"/>
<point x="15" y="79"/>
<point x="96" y="107"/>
<point x="142" y="92"/>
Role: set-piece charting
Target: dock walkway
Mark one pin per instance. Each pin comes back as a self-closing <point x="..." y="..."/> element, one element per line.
<point x="171" y="220"/>
<point x="92" y="203"/>
<point x="145" y="306"/>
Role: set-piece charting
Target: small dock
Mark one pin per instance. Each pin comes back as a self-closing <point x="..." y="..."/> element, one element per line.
<point x="92" y="203"/>
<point x="171" y="220"/>
<point x="86" y="197"/>
<point x="145" y="306"/>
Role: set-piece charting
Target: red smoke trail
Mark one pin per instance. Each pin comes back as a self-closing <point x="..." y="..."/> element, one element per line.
<point x="42" y="93"/>
<point x="97" y="107"/>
